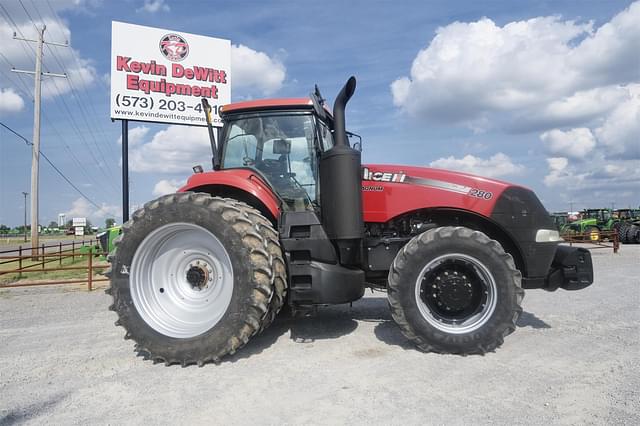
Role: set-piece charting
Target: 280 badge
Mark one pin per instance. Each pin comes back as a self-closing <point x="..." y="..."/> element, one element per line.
<point x="478" y="193"/>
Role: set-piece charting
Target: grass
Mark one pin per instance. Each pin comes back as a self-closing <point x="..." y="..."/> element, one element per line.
<point x="45" y="238"/>
<point x="39" y="275"/>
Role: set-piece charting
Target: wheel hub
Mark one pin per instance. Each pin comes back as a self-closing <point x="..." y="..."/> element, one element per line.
<point x="453" y="290"/>
<point x="199" y="275"/>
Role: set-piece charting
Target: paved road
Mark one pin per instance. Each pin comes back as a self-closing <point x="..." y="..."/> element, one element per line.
<point x="574" y="359"/>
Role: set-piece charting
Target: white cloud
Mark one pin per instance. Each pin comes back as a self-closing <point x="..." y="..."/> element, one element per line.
<point x="575" y="143"/>
<point x="620" y="131"/>
<point x="610" y="178"/>
<point x="544" y="71"/>
<point x="153" y="6"/>
<point x="174" y="150"/>
<point x="167" y="186"/>
<point x="495" y="166"/>
<point x="580" y="107"/>
<point x="10" y="101"/>
<point x="137" y="135"/>
<point x="576" y="84"/>
<point x="80" y="71"/>
<point x="557" y="170"/>
<point x="256" y="70"/>
<point x="609" y="153"/>
<point x="82" y="208"/>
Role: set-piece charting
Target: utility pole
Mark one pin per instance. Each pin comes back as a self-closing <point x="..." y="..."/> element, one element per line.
<point x="35" y="151"/>
<point x="25" y="215"/>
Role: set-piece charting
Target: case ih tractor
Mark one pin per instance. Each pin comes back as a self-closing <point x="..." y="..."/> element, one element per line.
<point x="290" y="216"/>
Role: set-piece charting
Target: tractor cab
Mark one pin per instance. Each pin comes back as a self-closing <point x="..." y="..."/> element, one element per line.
<point x="285" y="142"/>
<point x="282" y="141"/>
<point x="600" y="215"/>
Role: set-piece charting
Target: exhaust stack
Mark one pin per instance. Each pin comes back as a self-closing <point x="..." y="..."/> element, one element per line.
<point x="339" y="127"/>
<point x="341" y="185"/>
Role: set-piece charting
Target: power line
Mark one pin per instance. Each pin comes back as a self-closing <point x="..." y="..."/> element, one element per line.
<point x="83" y="110"/>
<point x="104" y="170"/>
<point x="9" y="20"/>
<point x="100" y="125"/>
<point x="29" y="143"/>
<point x="25" y="92"/>
<point x="25" y="11"/>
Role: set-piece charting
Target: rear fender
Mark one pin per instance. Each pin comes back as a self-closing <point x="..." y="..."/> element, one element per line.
<point x="240" y="184"/>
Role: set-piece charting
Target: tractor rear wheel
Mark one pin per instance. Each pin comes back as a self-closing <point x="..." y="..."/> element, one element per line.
<point x="454" y="290"/>
<point x="622" y="232"/>
<point x="633" y="234"/>
<point x="193" y="277"/>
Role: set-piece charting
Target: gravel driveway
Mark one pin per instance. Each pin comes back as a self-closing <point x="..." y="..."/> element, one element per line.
<point x="575" y="358"/>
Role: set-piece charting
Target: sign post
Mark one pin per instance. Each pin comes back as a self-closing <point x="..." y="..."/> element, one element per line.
<point x="162" y="78"/>
<point x="125" y="171"/>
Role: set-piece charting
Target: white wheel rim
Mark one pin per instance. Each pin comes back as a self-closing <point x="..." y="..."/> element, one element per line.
<point x="181" y="280"/>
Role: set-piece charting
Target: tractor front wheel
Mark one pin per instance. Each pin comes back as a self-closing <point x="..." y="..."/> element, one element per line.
<point x="454" y="290"/>
<point x="592" y="233"/>
<point x="193" y="277"/>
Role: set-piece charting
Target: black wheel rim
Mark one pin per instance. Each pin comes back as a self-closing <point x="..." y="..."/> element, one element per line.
<point x="456" y="293"/>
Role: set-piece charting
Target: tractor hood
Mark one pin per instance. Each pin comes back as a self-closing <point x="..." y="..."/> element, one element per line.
<point x="390" y="190"/>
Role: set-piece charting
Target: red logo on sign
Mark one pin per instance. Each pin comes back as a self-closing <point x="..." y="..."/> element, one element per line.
<point x="174" y="47"/>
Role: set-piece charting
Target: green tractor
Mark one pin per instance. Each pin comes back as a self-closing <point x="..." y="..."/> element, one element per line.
<point x="593" y="222"/>
<point x="629" y="225"/>
<point x="107" y="237"/>
<point x="561" y="220"/>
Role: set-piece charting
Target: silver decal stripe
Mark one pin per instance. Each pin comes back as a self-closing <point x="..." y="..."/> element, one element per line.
<point x="447" y="186"/>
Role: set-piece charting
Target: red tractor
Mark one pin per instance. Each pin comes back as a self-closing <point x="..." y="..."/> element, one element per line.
<point x="289" y="215"/>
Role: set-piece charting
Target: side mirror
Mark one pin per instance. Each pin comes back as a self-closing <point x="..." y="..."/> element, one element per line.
<point x="318" y="103"/>
<point x="281" y="146"/>
<point x="355" y="141"/>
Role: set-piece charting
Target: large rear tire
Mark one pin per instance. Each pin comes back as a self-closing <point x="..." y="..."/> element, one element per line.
<point x="633" y="234"/>
<point x="193" y="277"/>
<point x="454" y="290"/>
<point x="622" y="232"/>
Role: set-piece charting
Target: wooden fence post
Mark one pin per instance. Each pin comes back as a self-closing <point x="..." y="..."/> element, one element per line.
<point x="90" y="277"/>
<point x="60" y="253"/>
<point x="43" y="256"/>
<point x="20" y="262"/>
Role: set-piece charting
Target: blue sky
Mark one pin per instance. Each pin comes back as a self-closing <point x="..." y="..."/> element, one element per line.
<point x="544" y="93"/>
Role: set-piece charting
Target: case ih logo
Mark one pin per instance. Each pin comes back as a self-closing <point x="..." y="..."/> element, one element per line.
<point x="174" y="47"/>
<point x="382" y="176"/>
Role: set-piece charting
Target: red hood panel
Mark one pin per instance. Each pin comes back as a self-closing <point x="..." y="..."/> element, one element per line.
<point x="387" y="190"/>
<point x="391" y="190"/>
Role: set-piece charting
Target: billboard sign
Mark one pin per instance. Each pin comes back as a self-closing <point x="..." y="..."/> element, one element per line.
<point x="161" y="75"/>
<point x="79" y="221"/>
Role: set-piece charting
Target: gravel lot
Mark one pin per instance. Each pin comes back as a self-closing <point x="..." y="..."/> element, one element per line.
<point x="575" y="358"/>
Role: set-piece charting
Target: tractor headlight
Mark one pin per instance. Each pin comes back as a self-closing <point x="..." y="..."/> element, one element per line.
<point x="548" y="236"/>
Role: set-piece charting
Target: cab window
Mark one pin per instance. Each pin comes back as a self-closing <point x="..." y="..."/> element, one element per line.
<point x="326" y="136"/>
<point x="282" y="148"/>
